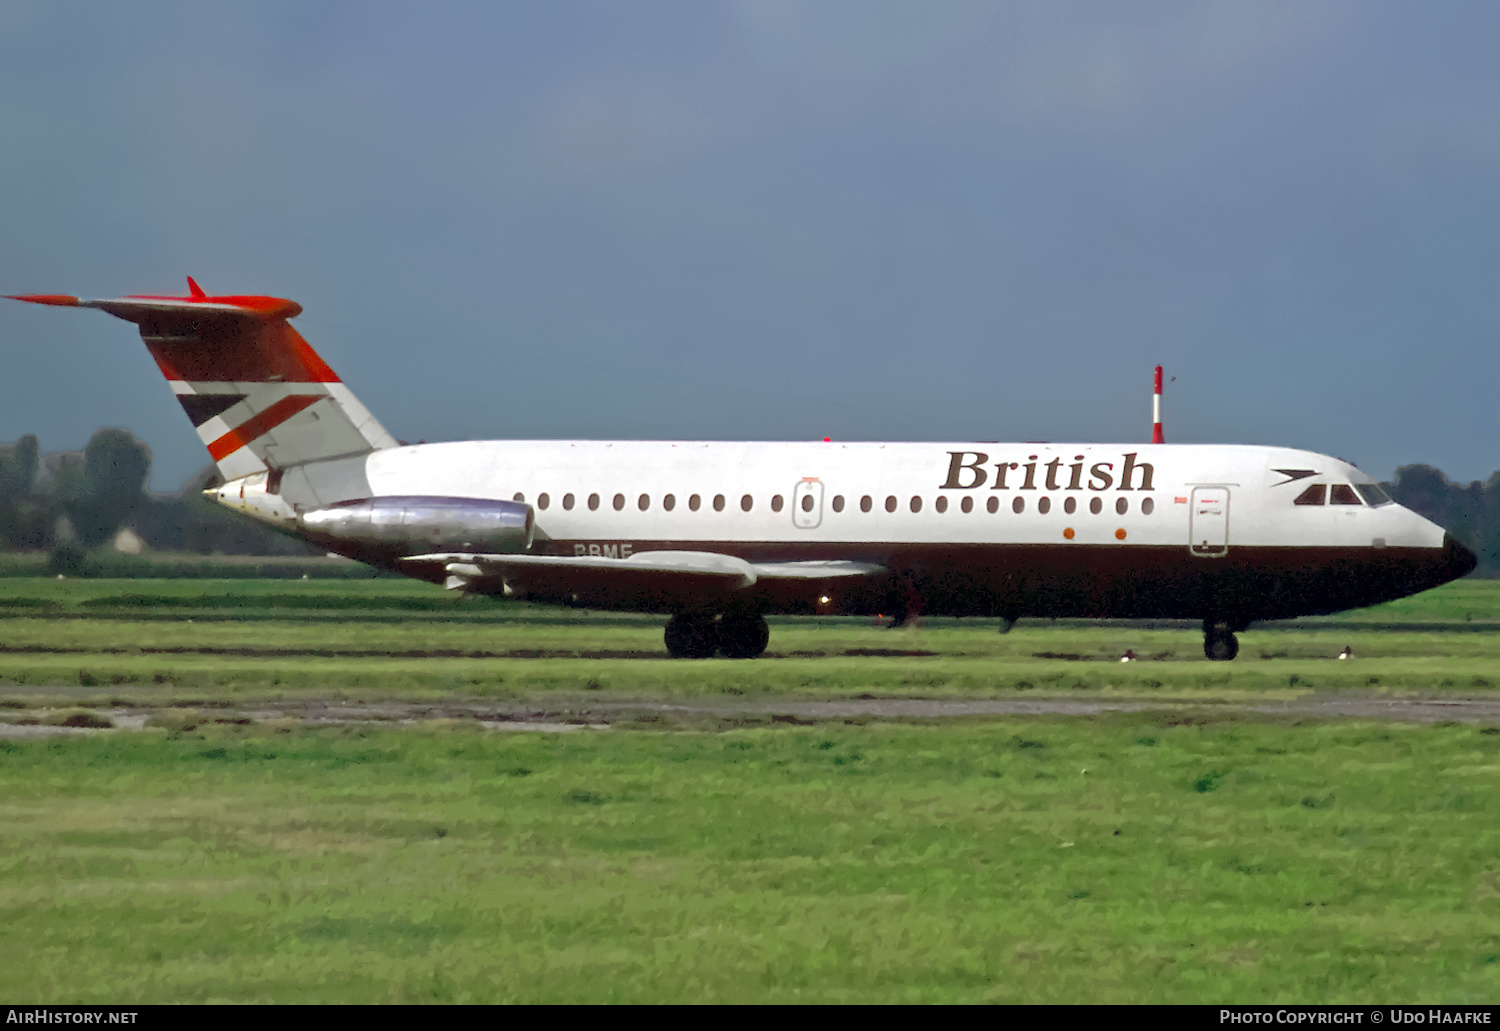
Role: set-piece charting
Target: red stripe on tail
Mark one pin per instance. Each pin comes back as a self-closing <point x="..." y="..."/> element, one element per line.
<point x="234" y="352"/>
<point x="260" y="425"/>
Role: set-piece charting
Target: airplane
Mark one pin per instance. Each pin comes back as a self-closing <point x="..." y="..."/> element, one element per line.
<point x="718" y="535"/>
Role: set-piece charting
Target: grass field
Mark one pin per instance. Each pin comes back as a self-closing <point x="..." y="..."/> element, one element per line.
<point x="1195" y="854"/>
<point x="1099" y="860"/>
<point x="143" y="641"/>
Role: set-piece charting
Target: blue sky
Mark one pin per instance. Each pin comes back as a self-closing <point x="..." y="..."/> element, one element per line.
<point x="766" y="219"/>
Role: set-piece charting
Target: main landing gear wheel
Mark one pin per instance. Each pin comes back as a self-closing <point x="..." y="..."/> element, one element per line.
<point x="1219" y="642"/>
<point x="692" y="636"/>
<point x="743" y="635"/>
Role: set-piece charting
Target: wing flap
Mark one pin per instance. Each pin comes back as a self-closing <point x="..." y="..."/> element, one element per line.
<point x="832" y="569"/>
<point x="661" y="576"/>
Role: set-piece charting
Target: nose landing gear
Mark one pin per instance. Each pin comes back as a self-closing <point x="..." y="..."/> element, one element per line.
<point x="1219" y="642"/>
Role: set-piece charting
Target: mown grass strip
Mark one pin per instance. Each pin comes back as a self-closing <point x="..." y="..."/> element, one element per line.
<point x="1121" y="859"/>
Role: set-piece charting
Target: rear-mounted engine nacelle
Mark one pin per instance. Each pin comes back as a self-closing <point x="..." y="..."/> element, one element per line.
<point x="417" y="524"/>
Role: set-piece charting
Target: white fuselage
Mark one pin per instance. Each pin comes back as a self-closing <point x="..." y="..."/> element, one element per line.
<point x="1259" y="514"/>
<point x="1101" y="530"/>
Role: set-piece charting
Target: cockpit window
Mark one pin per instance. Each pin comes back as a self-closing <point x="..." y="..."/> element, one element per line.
<point x="1373" y="493"/>
<point x="1342" y="494"/>
<point x="1313" y="495"/>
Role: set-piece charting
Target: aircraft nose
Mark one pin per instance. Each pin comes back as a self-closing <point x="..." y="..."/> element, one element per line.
<point x="1457" y="560"/>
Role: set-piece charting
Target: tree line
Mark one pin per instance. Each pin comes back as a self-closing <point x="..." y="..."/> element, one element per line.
<point x="71" y="502"/>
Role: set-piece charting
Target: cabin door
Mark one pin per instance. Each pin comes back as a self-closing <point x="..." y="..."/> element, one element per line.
<point x="1208" y="522"/>
<point x="807" y="503"/>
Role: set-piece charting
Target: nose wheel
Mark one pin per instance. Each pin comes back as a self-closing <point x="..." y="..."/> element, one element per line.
<point x="1219" y="642"/>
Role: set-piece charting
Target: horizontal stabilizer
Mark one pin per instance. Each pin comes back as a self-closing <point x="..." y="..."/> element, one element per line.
<point x="135" y="308"/>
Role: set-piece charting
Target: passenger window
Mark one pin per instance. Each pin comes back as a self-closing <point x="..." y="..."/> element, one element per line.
<point x="520" y="498"/>
<point x="567" y="502"/>
<point x="993" y="505"/>
<point x="838" y="502"/>
<point x="542" y="501"/>
<point x="1342" y="494"/>
<point x="1070" y="505"/>
<point x="916" y="503"/>
<point x="619" y="502"/>
<point x="694" y="501"/>
<point x="644" y="502"/>
<point x="1096" y="505"/>
<point x="1122" y="505"/>
<point x="746" y="503"/>
<point x="865" y="504"/>
<point x="776" y="503"/>
<point x="941" y="504"/>
<point x="593" y="502"/>
<point x="1312" y="495"/>
<point x="718" y="502"/>
<point x="1017" y="506"/>
<point x="1044" y="505"/>
<point x="967" y="504"/>
<point x="669" y="502"/>
<point x="1147" y="506"/>
<point x="807" y="503"/>
<point x="890" y="503"/>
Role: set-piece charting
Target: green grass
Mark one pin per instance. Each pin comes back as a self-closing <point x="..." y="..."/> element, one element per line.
<point x="245" y="639"/>
<point x="1119" y="859"/>
<point x="861" y="861"/>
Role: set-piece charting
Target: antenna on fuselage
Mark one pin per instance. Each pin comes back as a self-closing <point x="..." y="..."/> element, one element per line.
<point x="1156" y="434"/>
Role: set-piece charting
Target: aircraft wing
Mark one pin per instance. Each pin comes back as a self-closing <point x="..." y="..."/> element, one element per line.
<point x="659" y="576"/>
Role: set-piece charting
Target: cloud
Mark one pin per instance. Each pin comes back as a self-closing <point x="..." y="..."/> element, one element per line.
<point x="1060" y="63"/>
<point x="1424" y="140"/>
<point x="610" y="125"/>
<point x="1082" y="60"/>
<point x="856" y="39"/>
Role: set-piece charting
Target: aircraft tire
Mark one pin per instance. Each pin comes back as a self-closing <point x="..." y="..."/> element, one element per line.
<point x="743" y="635"/>
<point x="1219" y="642"/>
<point x="691" y="636"/>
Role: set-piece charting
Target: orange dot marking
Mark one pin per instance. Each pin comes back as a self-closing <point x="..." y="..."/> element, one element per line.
<point x="1068" y="533"/>
<point x="1120" y="534"/>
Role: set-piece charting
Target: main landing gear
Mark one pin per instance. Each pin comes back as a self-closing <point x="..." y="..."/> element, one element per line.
<point x="697" y="635"/>
<point x="1219" y="642"/>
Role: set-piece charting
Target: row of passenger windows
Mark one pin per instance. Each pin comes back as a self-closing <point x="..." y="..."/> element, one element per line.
<point x="866" y="503"/>
<point x="1343" y="494"/>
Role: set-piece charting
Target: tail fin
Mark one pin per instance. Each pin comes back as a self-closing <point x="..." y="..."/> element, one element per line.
<point x="260" y="397"/>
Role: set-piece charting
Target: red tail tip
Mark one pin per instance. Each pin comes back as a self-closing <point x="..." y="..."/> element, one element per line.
<point x="197" y="294"/>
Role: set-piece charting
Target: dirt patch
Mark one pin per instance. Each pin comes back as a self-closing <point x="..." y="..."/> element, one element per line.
<point x="87" y="719"/>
